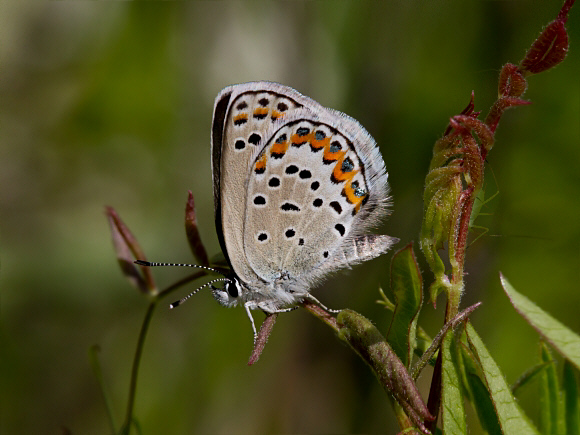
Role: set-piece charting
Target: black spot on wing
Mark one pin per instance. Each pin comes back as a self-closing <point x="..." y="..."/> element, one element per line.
<point x="259" y="200"/>
<point x="254" y="139"/>
<point x="288" y="206"/>
<point x="336" y="206"/>
<point x="291" y="169"/>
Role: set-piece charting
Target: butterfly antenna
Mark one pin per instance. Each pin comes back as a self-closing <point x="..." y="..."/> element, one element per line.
<point x="151" y="264"/>
<point x="182" y="300"/>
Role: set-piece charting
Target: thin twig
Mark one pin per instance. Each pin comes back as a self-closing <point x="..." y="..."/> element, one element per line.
<point x="135" y="369"/>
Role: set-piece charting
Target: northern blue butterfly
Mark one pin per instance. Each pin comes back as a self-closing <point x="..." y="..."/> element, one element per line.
<point x="297" y="186"/>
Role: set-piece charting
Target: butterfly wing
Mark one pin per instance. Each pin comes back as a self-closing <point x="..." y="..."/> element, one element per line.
<point x="243" y="117"/>
<point x="316" y="185"/>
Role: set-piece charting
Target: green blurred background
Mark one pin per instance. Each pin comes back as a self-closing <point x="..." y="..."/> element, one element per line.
<point x="110" y="103"/>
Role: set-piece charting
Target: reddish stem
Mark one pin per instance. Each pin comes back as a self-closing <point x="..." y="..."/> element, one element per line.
<point x="563" y="15"/>
<point x="434" y="401"/>
<point x="466" y="200"/>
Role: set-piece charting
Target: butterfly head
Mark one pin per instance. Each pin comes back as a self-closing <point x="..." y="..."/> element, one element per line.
<point x="230" y="295"/>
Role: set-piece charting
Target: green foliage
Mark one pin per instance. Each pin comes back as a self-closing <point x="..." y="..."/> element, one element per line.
<point x="551" y="404"/>
<point x="558" y="399"/>
<point x="464" y="369"/>
<point x="478" y="394"/>
<point x="452" y="406"/>
<point x="407" y="286"/>
<point x="510" y="417"/>
<point x="570" y="385"/>
<point x="554" y="332"/>
<point x="110" y="103"/>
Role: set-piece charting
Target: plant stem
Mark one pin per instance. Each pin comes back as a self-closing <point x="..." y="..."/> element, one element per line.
<point x="457" y="255"/>
<point x="135" y="369"/>
<point x="126" y="428"/>
<point x="434" y="400"/>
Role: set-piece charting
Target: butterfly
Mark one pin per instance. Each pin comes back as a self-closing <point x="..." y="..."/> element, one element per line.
<point x="297" y="187"/>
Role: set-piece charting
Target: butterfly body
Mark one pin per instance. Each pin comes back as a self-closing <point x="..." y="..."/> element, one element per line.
<point x="296" y="188"/>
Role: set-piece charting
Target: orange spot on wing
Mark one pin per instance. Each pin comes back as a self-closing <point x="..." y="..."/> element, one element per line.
<point x="279" y="148"/>
<point x="261" y="111"/>
<point x="323" y="143"/>
<point x="332" y="156"/>
<point x="260" y="165"/>
<point x="301" y="140"/>
<point x="348" y="192"/>
<point x="338" y="175"/>
<point x="242" y="117"/>
<point x="275" y="115"/>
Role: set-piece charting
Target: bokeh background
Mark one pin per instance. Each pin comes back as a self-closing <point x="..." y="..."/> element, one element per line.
<point x="110" y="103"/>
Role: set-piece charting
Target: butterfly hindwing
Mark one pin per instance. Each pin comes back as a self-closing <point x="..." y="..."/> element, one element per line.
<point x="310" y="196"/>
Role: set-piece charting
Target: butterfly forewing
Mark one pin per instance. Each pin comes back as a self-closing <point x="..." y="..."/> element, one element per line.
<point x="243" y="116"/>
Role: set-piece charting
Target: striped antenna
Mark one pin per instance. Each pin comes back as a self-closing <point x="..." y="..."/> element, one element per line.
<point x="151" y="264"/>
<point x="182" y="300"/>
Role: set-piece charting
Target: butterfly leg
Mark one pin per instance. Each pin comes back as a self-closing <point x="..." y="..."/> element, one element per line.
<point x="247" y="307"/>
<point x="320" y="304"/>
<point x="286" y="310"/>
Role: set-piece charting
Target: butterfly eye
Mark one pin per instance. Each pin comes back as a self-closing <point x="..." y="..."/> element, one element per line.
<point x="232" y="289"/>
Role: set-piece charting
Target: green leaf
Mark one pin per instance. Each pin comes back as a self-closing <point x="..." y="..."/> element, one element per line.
<point x="407" y="286"/>
<point x="511" y="418"/>
<point x="528" y="376"/>
<point x="452" y="408"/>
<point x="571" y="392"/>
<point x="551" y="404"/>
<point x="564" y="340"/>
<point x="479" y="395"/>
<point x="435" y="230"/>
